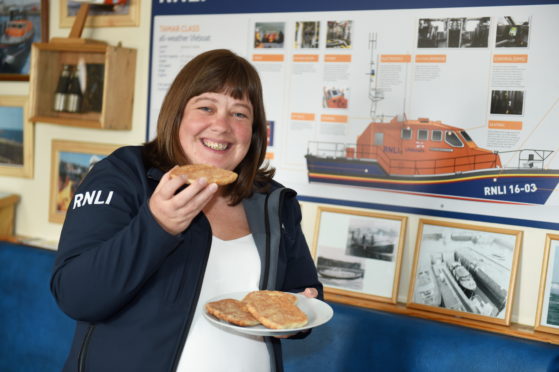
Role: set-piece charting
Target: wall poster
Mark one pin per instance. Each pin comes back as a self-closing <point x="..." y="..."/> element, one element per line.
<point x="449" y="111"/>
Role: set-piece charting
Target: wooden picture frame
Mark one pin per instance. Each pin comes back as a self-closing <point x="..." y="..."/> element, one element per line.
<point x="98" y="16"/>
<point x="16" y="137"/>
<point x="358" y="254"/>
<point x="16" y="65"/>
<point x="70" y="163"/>
<point x="465" y="270"/>
<point x="547" y="315"/>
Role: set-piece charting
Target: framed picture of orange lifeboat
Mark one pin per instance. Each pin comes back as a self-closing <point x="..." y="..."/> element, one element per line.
<point x="358" y="255"/>
<point x="21" y="24"/>
<point x="465" y="270"/>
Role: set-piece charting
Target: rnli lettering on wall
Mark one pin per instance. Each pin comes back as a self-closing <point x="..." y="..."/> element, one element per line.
<point x="95" y="197"/>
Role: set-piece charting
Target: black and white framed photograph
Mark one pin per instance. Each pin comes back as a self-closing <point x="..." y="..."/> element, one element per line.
<point x="547" y="316"/>
<point x="358" y="253"/>
<point x="465" y="270"/>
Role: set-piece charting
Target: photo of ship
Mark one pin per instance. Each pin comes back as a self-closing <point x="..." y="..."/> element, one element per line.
<point x="422" y="156"/>
<point x="463" y="277"/>
<point x="336" y="269"/>
<point x="467" y="274"/>
<point x="369" y="243"/>
<point x="340" y="272"/>
<point x="426" y="157"/>
<point x="427" y="290"/>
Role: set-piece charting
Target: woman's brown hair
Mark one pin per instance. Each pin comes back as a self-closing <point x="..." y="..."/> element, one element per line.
<point x="217" y="71"/>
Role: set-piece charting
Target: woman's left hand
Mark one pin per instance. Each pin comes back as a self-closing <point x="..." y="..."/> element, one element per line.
<point x="310" y="292"/>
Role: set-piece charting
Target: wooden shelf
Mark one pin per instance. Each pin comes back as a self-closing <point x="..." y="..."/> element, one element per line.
<point x="515" y="330"/>
<point x="119" y="65"/>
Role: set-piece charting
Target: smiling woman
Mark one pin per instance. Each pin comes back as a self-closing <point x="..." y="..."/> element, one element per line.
<point x="164" y="245"/>
<point x="216" y="129"/>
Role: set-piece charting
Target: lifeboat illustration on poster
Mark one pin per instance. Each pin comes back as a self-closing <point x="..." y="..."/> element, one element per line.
<point x="422" y="156"/>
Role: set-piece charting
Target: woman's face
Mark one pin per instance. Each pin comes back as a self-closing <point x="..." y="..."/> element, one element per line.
<point x="216" y="129"/>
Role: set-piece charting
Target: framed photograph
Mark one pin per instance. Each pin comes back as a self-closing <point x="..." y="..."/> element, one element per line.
<point x="122" y="14"/>
<point x="22" y="24"/>
<point x="358" y="253"/>
<point x="547" y="316"/>
<point x="16" y="138"/>
<point x="465" y="270"/>
<point x="71" y="161"/>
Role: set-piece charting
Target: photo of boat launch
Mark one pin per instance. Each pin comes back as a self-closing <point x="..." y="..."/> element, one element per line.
<point x="464" y="270"/>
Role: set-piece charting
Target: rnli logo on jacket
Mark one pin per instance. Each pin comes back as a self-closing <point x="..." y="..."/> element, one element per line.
<point x="95" y="197"/>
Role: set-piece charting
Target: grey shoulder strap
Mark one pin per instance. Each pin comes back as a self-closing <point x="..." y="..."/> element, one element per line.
<point x="262" y="212"/>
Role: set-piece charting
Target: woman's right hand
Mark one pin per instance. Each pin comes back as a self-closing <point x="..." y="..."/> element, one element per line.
<point x="175" y="211"/>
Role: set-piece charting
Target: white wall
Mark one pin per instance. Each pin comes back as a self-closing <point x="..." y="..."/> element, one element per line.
<point x="32" y="211"/>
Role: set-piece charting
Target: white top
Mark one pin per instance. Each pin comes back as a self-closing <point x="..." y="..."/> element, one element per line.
<point x="233" y="266"/>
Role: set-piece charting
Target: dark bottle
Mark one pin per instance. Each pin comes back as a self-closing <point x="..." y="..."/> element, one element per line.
<point x="75" y="96"/>
<point x="61" y="92"/>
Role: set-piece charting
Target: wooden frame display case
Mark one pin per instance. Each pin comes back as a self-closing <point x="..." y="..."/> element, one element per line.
<point x="115" y="83"/>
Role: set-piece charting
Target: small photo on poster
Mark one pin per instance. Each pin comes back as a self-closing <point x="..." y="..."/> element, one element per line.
<point x="269" y="34"/>
<point x="338" y="34"/>
<point x="507" y="102"/>
<point x="512" y="32"/>
<point x="307" y="35"/>
<point x="475" y="32"/>
<point x="335" y="97"/>
<point x="432" y="32"/>
<point x="453" y="32"/>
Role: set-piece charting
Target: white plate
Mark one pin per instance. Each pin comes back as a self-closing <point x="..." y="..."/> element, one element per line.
<point x="317" y="311"/>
